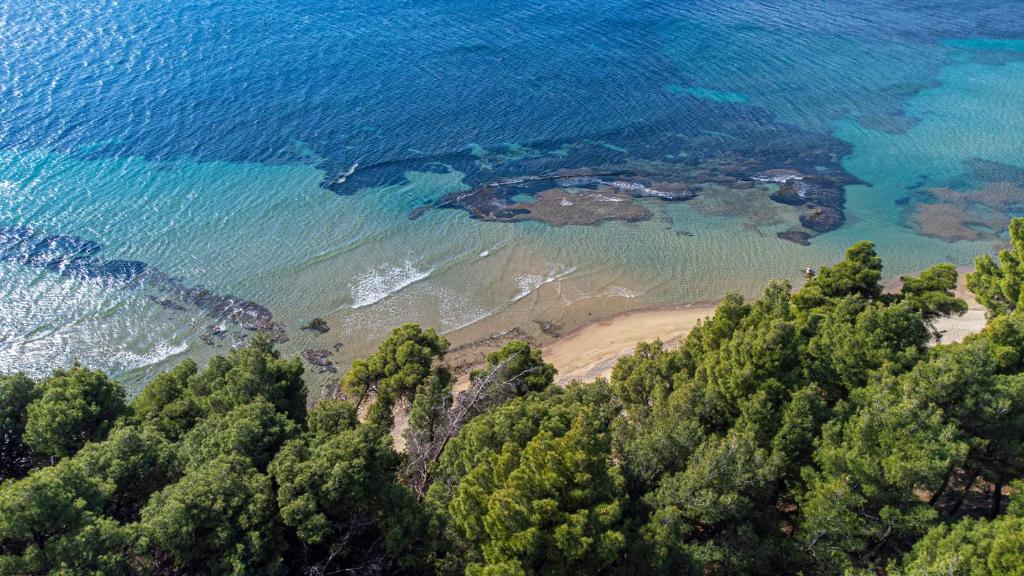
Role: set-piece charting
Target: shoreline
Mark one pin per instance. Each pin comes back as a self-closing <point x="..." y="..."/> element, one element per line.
<point x="591" y="350"/>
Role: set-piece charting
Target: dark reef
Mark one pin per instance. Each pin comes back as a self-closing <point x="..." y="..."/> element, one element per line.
<point x="318" y="325"/>
<point x="319" y="358"/>
<point x="689" y="152"/>
<point x="76" y="257"/>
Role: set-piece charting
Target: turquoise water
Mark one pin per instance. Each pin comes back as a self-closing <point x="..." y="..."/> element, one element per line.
<point x="275" y="152"/>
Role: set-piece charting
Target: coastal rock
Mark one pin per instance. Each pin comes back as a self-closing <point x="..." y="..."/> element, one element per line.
<point x="561" y="207"/>
<point x="319" y="358"/>
<point x="972" y="215"/>
<point x="791" y="193"/>
<point x="821" y="218"/>
<point x="721" y="146"/>
<point x="796" y="236"/>
<point x="318" y="325"/>
<point x="549" y="328"/>
<point x="77" y="257"/>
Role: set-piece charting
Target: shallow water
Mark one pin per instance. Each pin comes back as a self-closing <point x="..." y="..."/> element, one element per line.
<point x="274" y="151"/>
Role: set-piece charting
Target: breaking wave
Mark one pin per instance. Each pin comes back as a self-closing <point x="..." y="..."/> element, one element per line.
<point x="377" y="285"/>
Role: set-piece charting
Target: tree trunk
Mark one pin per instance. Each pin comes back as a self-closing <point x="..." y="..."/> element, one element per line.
<point x="997" y="499"/>
<point x="942" y="488"/>
<point x="967" y="488"/>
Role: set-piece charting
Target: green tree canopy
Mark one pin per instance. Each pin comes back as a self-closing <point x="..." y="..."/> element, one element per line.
<point x="220" y="518"/>
<point x="519" y="364"/>
<point x="404" y="361"/>
<point x="859" y="273"/>
<point x="17" y="391"/>
<point x="75" y="406"/>
<point x="998" y="285"/>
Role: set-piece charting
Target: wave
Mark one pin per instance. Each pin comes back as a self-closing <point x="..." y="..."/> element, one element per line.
<point x="779" y="177"/>
<point x="529" y="283"/>
<point x="621" y="292"/>
<point x="637" y="188"/>
<point x="343" y="177"/>
<point x="383" y="282"/>
<point x="132" y="361"/>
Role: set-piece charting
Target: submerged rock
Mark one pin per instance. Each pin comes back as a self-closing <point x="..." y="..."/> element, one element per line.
<point x="318" y="325"/>
<point x="822" y="218"/>
<point x="796" y="236"/>
<point x="709" y="147"/>
<point x="549" y="328"/>
<point x="319" y="358"/>
<point x="77" y="257"/>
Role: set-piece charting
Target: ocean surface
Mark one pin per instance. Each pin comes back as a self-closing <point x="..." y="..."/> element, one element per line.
<point x="177" y="175"/>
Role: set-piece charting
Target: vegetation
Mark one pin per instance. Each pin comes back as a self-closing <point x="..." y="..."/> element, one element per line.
<point x="815" y="432"/>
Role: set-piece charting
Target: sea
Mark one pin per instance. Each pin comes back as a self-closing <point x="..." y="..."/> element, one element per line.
<point x="177" y="176"/>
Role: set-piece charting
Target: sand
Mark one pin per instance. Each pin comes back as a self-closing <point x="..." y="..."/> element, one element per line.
<point x="591" y="351"/>
<point x="956" y="328"/>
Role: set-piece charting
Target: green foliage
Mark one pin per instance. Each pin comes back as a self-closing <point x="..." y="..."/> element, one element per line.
<point x="75" y="406"/>
<point x="998" y="285"/>
<point x="331" y="417"/>
<point x="645" y="377"/>
<point x="16" y="393"/>
<point x="931" y="293"/>
<point x="340" y="494"/>
<point x="726" y="485"/>
<point x="859" y="274"/>
<point x="855" y="339"/>
<point x="136" y="462"/>
<point x="808" y="433"/>
<point x="167" y="404"/>
<point x="537" y="495"/>
<point x="256" y="370"/>
<point x="220" y="518"/>
<point x="403" y="362"/>
<point x="519" y="365"/>
<point x="254" y="430"/>
<point x="40" y="513"/>
<point x="971" y="546"/>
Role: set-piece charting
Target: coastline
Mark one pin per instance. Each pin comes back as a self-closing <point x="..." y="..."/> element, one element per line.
<point x="591" y="350"/>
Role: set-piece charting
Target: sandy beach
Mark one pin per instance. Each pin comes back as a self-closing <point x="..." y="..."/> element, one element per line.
<point x="591" y="351"/>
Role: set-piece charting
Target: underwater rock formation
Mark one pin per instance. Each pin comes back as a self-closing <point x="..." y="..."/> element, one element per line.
<point x="76" y="257"/>
<point x="319" y="358"/>
<point x="698" y="150"/>
<point x="318" y="325"/>
<point x="971" y="215"/>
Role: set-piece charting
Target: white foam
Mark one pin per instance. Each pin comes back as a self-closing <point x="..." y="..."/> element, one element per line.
<point x="637" y="188"/>
<point x="351" y="170"/>
<point x="780" y="178"/>
<point x="621" y="292"/>
<point x="129" y="360"/>
<point x="529" y="283"/>
<point x="377" y="285"/>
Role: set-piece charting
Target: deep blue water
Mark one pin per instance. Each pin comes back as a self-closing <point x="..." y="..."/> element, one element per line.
<point x="206" y="140"/>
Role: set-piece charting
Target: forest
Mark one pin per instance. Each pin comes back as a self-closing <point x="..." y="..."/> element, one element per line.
<point x="817" y="431"/>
